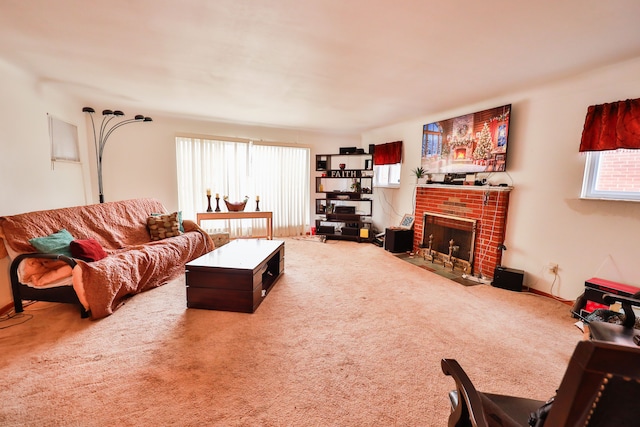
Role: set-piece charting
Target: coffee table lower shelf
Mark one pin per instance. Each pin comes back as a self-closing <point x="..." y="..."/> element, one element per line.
<point x="235" y="277"/>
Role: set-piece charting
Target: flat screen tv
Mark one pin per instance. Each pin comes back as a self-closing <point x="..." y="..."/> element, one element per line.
<point x="468" y="144"/>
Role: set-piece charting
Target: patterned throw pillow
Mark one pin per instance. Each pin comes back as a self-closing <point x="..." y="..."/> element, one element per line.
<point x="179" y="219"/>
<point x="163" y="226"/>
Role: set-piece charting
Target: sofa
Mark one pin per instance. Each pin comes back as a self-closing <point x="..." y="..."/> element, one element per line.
<point x="98" y="255"/>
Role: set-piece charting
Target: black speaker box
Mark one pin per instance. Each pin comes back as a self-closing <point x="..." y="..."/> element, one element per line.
<point x="398" y="240"/>
<point x="348" y="150"/>
<point x="350" y="231"/>
<point x="326" y="229"/>
<point x="508" y="278"/>
<point x="345" y="209"/>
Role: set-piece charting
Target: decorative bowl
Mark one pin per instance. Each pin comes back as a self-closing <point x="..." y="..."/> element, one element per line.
<point x="235" y="207"/>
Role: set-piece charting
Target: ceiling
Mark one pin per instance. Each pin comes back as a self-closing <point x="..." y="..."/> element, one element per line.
<point x="324" y="65"/>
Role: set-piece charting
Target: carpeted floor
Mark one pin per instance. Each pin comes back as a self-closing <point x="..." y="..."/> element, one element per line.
<point x="349" y="336"/>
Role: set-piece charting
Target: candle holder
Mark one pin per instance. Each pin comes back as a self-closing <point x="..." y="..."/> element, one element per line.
<point x="217" y="204"/>
<point x="209" y="203"/>
<point x="257" y="205"/>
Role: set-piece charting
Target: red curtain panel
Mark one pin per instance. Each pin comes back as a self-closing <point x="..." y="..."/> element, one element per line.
<point x="388" y="154"/>
<point x="612" y="126"/>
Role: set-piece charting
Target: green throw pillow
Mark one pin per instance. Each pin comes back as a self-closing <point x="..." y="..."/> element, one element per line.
<point x="56" y="243"/>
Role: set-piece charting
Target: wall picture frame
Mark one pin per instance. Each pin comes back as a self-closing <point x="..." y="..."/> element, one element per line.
<point x="407" y="222"/>
<point x="64" y="140"/>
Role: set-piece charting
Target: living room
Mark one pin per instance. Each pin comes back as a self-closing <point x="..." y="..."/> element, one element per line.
<point x="548" y="221"/>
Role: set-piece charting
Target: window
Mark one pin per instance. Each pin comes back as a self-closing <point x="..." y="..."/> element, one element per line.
<point x="64" y="140"/>
<point x="431" y="140"/>
<point x="387" y="175"/>
<point x="278" y="174"/>
<point x="612" y="175"/>
<point x="387" y="164"/>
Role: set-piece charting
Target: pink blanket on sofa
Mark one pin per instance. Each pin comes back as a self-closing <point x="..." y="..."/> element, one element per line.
<point x="134" y="264"/>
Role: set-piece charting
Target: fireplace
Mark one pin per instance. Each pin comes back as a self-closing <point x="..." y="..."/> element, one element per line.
<point x="449" y="240"/>
<point x="478" y="211"/>
<point x="461" y="154"/>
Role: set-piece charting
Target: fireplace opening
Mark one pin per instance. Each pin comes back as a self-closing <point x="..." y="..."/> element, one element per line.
<point x="449" y="240"/>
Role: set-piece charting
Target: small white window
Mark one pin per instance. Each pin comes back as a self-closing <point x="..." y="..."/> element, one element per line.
<point x="387" y="175"/>
<point x="612" y="175"/>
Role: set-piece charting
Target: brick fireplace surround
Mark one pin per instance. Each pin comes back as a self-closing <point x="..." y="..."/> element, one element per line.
<point x="468" y="202"/>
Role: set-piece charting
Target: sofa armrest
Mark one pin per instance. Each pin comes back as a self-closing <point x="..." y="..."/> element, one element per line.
<point x="13" y="273"/>
<point x="189" y="225"/>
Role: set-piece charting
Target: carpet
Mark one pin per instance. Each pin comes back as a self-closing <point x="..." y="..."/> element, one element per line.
<point x="349" y="336"/>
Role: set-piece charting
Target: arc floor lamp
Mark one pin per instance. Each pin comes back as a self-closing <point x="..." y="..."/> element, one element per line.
<point x="106" y="129"/>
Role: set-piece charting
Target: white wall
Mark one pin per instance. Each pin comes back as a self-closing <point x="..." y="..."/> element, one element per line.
<point x="28" y="181"/>
<point x="547" y="220"/>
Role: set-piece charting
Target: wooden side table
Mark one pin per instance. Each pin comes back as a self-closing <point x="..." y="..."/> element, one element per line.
<point x="240" y="215"/>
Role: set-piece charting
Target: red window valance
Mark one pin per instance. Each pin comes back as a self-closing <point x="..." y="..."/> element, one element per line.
<point x="388" y="154"/>
<point x="612" y="126"/>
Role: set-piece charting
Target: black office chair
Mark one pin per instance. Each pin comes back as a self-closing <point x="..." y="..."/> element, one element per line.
<point x="600" y="388"/>
<point x="623" y="331"/>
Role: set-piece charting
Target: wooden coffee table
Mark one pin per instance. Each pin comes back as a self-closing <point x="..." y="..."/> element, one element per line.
<point x="236" y="276"/>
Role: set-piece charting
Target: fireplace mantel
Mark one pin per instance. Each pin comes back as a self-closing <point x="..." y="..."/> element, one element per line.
<point x="468" y="187"/>
<point x="487" y="204"/>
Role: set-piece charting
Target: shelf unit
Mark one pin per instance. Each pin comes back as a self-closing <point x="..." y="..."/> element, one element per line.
<point x="344" y="188"/>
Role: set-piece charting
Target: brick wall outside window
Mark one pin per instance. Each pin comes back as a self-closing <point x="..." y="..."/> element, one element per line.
<point x="619" y="171"/>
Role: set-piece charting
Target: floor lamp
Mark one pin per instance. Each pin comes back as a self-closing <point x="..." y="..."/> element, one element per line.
<point x="100" y="139"/>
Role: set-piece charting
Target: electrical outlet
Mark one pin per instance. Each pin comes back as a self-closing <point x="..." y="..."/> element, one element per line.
<point x="553" y="268"/>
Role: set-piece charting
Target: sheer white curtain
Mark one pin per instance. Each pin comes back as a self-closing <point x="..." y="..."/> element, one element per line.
<point x="278" y="174"/>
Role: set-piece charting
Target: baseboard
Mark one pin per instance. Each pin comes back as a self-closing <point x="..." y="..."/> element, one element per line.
<point x="544" y="294"/>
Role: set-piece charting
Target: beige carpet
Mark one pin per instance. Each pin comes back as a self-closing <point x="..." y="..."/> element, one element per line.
<point x="350" y="336"/>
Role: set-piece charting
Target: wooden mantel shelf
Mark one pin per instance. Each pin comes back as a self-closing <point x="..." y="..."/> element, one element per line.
<point x="467" y="187"/>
